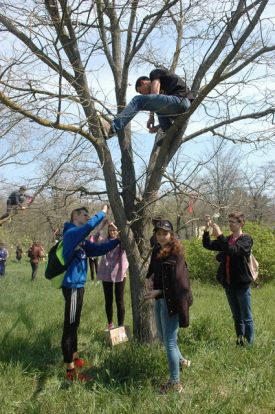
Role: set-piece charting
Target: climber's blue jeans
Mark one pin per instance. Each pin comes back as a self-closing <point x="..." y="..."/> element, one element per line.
<point x="165" y="106"/>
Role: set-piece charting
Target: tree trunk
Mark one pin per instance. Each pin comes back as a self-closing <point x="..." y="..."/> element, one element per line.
<point x="144" y="328"/>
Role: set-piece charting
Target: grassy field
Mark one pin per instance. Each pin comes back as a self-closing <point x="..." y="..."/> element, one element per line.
<point x="221" y="379"/>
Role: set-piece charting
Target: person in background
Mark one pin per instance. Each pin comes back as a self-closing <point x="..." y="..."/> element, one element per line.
<point x="93" y="265"/>
<point x="19" y="253"/>
<point x="112" y="272"/>
<point x="35" y="253"/>
<point x="170" y="288"/>
<point x="76" y="249"/>
<point x="233" y="272"/>
<point x="3" y="258"/>
<point x="15" y="201"/>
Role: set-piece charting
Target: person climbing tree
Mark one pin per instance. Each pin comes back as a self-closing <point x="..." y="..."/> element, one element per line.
<point x="15" y="201"/>
<point x="163" y="93"/>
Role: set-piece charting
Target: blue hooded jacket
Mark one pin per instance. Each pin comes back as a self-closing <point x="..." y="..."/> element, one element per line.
<point x="75" y="245"/>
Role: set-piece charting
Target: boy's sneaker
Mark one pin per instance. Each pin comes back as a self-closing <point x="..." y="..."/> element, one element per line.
<point x="240" y="341"/>
<point x="106" y="127"/>
<point x="159" y="137"/>
<point x="73" y="375"/>
<point x="110" y="326"/>
<point x="79" y="362"/>
<point x="184" y="363"/>
<point x="171" y="387"/>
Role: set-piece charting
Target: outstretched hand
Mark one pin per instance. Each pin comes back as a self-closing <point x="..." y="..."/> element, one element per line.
<point x="105" y="208"/>
<point x="208" y="222"/>
<point x="216" y="230"/>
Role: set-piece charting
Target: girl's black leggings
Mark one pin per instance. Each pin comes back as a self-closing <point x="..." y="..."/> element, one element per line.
<point x="119" y="295"/>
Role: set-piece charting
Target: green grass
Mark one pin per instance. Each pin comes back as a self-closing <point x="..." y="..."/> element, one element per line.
<point x="222" y="379"/>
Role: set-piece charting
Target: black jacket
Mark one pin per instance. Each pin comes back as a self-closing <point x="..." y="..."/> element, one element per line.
<point x="171" y="275"/>
<point x="237" y="255"/>
<point x="16" y="198"/>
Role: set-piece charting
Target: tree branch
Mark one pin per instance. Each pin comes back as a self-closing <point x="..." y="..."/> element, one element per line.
<point x="44" y="122"/>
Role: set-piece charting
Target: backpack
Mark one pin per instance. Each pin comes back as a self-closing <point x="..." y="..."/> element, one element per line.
<point x="30" y="252"/>
<point x="253" y="266"/>
<point x="55" y="265"/>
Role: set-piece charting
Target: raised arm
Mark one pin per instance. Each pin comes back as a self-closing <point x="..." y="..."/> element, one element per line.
<point x="210" y="244"/>
<point x="99" y="249"/>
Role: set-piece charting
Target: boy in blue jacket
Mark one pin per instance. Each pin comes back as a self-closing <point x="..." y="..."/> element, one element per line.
<point x="76" y="249"/>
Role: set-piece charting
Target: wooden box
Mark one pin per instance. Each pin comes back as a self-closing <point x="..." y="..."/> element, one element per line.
<point x="117" y="335"/>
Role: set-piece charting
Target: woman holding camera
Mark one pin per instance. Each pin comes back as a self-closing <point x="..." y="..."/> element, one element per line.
<point x="233" y="272"/>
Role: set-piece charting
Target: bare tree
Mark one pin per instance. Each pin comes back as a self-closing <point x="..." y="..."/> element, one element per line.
<point x="48" y="76"/>
<point x="259" y="188"/>
<point x="223" y="176"/>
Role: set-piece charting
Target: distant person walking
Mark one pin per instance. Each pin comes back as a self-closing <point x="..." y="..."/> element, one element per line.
<point x="3" y="258"/>
<point x="19" y="253"/>
<point x="233" y="272"/>
<point x="112" y="272"/>
<point x="169" y="279"/>
<point x="35" y="253"/>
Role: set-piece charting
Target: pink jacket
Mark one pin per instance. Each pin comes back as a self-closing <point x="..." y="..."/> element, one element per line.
<point x="113" y="266"/>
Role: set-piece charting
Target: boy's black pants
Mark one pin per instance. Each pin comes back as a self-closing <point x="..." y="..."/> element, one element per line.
<point x="34" y="267"/>
<point x="73" y="306"/>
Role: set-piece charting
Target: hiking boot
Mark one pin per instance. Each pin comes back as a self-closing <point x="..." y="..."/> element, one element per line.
<point x="171" y="387"/>
<point x="159" y="137"/>
<point x="79" y="362"/>
<point x="184" y="363"/>
<point x="73" y="375"/>
<point x="106" y="127"/>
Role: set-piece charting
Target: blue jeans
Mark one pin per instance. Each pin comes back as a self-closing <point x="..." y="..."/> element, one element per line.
<point x="167" y="327"/>
<point x="165" y="106"/>
<point x="239" y="300"/>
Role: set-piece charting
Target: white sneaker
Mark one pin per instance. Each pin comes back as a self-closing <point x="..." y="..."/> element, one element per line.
<point x="185" y="363"/>
<point x="106" y="127"/>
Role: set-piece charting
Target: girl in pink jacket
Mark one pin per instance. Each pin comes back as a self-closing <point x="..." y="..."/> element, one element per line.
<point x="112" y="272"/>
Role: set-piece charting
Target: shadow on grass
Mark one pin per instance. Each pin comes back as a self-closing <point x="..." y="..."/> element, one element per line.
<point x="128" y="364"/>
<point x="125" y="364"/>
<point x="34" y="352"/>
